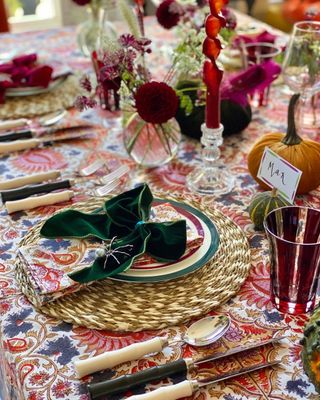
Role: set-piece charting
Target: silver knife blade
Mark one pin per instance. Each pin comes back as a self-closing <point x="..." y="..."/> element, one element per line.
<point x="238" y="372"/>
<point x="49" y="131"/>
<point x="67" y="136"/>
<point x="237" y="350"/>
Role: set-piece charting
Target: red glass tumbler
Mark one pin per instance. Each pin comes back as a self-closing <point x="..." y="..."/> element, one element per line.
<point x="294" y="246"/>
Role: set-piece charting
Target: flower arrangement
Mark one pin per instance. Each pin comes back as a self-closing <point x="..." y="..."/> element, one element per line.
<point x="192" y="13"/>
<point x="121" y="71"/>
<point x="95" y="3"/>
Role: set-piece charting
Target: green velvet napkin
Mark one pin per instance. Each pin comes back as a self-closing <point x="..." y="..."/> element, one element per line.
<point x="124" y="225"/>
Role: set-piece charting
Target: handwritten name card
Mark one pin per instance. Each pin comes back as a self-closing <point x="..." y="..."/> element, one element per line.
<point x="277" y="173"/>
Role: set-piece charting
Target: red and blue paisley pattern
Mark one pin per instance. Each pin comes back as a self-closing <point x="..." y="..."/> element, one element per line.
<point x="38" y="351"/>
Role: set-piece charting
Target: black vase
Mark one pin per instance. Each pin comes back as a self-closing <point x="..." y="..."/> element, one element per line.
<point x="234" y="117"/>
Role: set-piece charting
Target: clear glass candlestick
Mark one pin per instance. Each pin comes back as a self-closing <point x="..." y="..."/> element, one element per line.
<point x="210" y="177"/>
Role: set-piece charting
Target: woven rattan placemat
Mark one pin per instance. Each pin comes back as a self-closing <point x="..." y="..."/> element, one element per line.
<point x="63" y="96"/>
<point x="123" y="306"/>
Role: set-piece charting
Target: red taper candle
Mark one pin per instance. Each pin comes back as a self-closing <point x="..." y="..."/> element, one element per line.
<point x="212" y="75"/>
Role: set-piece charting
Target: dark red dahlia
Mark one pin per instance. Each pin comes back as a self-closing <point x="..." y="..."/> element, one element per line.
<point x="82" y="2"/>
<point x="231" y="18"/>
<point x="156" y="102"/>
<point x="168" y="13"/>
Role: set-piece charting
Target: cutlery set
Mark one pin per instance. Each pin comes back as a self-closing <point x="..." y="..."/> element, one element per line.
<point x="182" y="366"/>
<point x="28" y="138"/>
<point x="188" y="387"/>
<point x="18" y="145"/>
<point x="48" y="120"/>
<point x="201" y="333"/>
<point x="17" y="194"/>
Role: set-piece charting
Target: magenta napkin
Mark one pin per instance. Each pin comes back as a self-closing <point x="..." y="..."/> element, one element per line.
<point x="23" y="71"/>
<point x="263" y="37"/>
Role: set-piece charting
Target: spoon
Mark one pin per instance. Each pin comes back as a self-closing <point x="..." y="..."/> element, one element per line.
<point x="201" y="333"/>
<point x="47" y="120"/>
<point x="52" y="118"/>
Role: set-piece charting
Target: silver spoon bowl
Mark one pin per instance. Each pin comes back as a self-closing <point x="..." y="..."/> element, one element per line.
<point x="207" y="330"/>
<point x="52" y="118"/>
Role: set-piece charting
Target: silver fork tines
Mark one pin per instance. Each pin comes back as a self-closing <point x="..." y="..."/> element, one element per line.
<point x="103" y="190"/>
<point x="116" y="174"/>
<point x="92" y="168"/>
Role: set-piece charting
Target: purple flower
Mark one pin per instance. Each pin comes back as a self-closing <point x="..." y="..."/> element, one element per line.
<point x="127" y="40"/>
<point x="85" y="83"/>
<point x="83" y="102"/>
<point x="109" y="73"/>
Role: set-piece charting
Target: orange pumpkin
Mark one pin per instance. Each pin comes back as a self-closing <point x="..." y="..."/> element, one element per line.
<point x="303" y="154"/>
<point x="295" y="10"/>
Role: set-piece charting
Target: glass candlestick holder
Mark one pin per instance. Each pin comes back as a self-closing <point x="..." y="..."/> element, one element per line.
<point x="209" y="177"/>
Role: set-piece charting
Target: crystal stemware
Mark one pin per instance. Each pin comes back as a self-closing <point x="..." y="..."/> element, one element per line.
<point x="301" y="66"/>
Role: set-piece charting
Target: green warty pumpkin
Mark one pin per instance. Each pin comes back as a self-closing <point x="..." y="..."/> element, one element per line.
<point x="262" y="204"/>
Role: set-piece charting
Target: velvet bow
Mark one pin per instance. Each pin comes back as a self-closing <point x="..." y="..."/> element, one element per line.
<point x="124" y="224"/>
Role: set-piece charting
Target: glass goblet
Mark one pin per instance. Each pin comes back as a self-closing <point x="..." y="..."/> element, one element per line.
<point x="301" y="65"/>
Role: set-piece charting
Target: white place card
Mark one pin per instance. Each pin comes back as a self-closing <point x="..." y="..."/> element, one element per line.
<point x="278" y="173"/>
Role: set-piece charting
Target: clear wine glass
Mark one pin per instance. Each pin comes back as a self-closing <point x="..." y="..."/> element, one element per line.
<point x="301" y="65"/>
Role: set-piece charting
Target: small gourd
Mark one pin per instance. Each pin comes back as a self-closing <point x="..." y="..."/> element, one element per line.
<point x="311" y="349"/>
<point x="262" y="204"/>
<point x="301" y="153"/>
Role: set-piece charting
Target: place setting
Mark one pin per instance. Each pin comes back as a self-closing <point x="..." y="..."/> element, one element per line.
<point x="160" y="215"/>
<point x="30" y="82"/>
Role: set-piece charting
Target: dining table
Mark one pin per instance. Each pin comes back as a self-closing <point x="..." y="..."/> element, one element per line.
<point x="37" y="350"/>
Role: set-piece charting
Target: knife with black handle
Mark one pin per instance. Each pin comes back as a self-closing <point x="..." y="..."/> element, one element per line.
<point x="188" y="387"/>
<point x="30" y="190"/>
<point x="23" y="134"/>
<point x="127" y="382"/>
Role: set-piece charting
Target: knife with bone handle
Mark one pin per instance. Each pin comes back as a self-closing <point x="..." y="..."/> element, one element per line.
<point x="188" y="387"/>
<point x="17" y="145"/>
<point x="29" y="179"/>
<point x="37" y="133"/>
<point x="33" y="202"/>
<point x="128" y="382"/>
<point x="53" y="198"/>
<point x="30" y="190"/>
<point x="13" y="123"/>
<point x="27" y="191"/>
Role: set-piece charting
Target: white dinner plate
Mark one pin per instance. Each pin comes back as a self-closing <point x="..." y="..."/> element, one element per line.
<point x="196" y="220"/>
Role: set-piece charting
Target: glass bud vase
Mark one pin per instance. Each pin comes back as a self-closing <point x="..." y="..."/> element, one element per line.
<point x="91" y="30"/>
<point x="150" y="145"/>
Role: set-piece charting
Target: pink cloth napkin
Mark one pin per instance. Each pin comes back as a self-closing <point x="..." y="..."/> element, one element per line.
<point x="23" y="71"/>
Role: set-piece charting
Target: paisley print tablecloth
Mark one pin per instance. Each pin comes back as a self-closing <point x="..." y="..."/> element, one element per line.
<point x="38" y="351"/>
